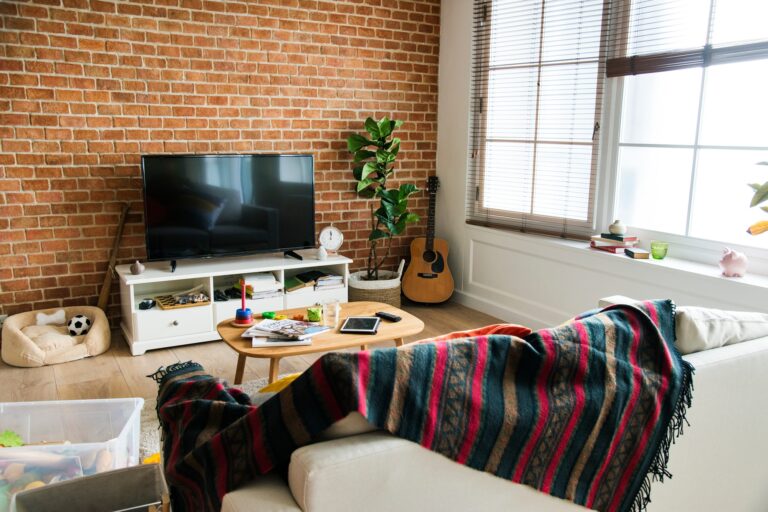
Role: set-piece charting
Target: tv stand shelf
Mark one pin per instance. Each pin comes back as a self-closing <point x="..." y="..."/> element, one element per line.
<point x="155" y="328"/>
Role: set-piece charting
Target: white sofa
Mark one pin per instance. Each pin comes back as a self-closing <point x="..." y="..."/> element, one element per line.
<point x="720" y="463"/>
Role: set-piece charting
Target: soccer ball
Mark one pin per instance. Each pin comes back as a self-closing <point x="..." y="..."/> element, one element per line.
<point x="78" y="325"/>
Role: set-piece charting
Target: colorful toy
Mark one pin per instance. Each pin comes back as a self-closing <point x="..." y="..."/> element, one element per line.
<point x="270" y="315"/>
<point x="243" y="316"/>
<point x="314" y="313"/>
<point x="9" y="439"/>
<point x="79" y="325"/>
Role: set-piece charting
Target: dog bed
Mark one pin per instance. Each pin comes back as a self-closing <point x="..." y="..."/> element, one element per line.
<point x="27" y="344"/>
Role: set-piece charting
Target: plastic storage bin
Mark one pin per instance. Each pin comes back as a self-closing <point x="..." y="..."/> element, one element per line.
<point x="67" y="439"/>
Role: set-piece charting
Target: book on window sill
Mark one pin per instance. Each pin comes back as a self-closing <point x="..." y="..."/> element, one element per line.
<point x="599" y="240"/>
<point x="269" y="342"/>
<point x="613" y="249"/>
<point x="620" y="238"/>
<point x="636" y="253"/>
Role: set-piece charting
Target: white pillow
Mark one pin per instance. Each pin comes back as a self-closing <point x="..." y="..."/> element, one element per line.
<point x="700" y="329"/>
<point x="55" y="318"/>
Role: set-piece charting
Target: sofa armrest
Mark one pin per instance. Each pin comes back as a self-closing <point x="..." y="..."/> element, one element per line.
<point x="380" y="472"/>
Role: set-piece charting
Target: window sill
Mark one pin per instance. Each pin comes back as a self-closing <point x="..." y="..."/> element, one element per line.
<point x="578" y="253"/>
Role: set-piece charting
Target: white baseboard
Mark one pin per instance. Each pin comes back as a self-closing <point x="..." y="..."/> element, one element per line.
<point x="501" y="312"/>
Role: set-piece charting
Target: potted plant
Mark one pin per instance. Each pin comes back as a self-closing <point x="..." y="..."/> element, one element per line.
<point x="374" y="159"/>
<point x="761" y="196"/>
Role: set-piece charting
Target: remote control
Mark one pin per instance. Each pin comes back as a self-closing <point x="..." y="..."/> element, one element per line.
<point x="388" y="316"/>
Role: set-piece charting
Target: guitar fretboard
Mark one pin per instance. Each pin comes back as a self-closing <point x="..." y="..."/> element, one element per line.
<point x="431" y="218"/>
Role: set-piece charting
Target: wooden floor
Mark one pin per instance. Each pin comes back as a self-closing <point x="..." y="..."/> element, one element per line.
<point x="116" y="373"/>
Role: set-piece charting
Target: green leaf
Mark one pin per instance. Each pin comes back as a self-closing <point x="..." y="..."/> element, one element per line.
<point x="369" y="168"/>
<point x="761" y="194"/>
<point x="391" y="195"/>
<point x="384" y="157"/>
<point x="357" y="172"/>
<point x="385" y="128"/>
<point x="363" y="184"/>
<point x="363" y="154"/>
<point x="377" y="234"/>
<point x="368" y="193"/>
<point x="406" y="189"/>
<point x="372" y="127"/>
<point x="755" y="186"/>
<point x="764" y="208"/>
<point x="9" y="439"/>
<point x="397" y="124"/>
<point x="357" y="141"/>
<point x="410" y="218"/>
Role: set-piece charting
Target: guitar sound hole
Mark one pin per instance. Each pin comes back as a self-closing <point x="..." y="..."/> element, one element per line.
<point x="429" y="256"/>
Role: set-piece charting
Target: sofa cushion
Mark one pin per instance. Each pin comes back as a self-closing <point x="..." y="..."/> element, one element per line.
<point x="703" y="328"/>
<point x="379" y="472"/>
<point x="269" y="493"/>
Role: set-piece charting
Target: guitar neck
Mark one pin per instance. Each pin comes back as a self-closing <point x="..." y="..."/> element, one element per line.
<point x="431" y="221"/>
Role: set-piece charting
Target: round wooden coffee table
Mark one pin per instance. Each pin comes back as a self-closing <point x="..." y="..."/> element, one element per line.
<point x="324" y="342"/>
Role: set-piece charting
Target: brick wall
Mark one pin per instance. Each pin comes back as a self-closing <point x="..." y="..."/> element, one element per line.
<point x="87" y="86"/>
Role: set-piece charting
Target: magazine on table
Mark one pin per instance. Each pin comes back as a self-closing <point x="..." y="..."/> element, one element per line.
<point x="294" y="329"/>
<point x="269" y="341"/>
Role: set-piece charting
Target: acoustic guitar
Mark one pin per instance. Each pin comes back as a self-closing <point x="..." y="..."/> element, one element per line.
<point x="428" y="278"/>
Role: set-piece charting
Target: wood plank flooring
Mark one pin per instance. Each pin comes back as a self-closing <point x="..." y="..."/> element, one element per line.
<point x="117" y="373"/>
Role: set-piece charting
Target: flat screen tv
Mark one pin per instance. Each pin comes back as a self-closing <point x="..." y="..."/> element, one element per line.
<point x="201" y="206"/>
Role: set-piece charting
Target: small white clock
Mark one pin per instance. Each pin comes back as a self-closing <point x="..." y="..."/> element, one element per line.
<point x="331" y="239"/>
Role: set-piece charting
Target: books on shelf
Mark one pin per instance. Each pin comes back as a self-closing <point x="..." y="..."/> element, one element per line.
<point x="637" y="253"/>
<point x="620" y="238"/>
<point x="292" y="329"/>
<point x="261" y="282"/>
<point x="313" y="279"/>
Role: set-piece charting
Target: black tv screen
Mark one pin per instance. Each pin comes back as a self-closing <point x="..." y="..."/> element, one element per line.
<point x="198" y="206"/>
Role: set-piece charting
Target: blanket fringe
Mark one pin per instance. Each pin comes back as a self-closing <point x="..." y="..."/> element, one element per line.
<point x="658" y="469"/>
<point x="173" y="369"/>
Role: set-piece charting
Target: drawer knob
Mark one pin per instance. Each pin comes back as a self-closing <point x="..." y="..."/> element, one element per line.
<point x="175" y="322"/>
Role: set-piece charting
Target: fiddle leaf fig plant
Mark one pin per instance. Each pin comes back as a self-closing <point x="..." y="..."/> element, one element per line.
<point x="761" y="196"/>
<point x="374" y="158"/>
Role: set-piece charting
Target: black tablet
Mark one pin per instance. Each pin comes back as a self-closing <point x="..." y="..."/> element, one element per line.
<point x="361" y="325"/>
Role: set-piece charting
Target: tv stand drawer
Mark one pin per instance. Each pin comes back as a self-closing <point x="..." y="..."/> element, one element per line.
<point x="179" y="322"/>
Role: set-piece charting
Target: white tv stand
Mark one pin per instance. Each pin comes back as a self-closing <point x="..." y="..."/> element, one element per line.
<point x="156" y="328"/>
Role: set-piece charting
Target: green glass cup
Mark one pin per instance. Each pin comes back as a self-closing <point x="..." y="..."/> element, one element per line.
<point x="659" y="250"/>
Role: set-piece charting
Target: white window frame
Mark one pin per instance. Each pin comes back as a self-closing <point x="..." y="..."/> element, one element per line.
<point x="682" y="247"/>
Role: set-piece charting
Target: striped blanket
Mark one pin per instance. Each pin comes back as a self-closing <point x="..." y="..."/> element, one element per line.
<point x="585" y="411"/>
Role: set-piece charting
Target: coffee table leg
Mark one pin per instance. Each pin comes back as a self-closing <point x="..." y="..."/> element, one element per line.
<point x="398" y="342"/>
<point x="274" y="369"/>
<point x="240" y="369"/>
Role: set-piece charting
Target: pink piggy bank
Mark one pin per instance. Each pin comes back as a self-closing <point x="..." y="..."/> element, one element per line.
<point x="733" y="263"/>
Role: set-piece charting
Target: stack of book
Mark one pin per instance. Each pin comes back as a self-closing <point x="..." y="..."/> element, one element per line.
<point x="313" y="279"/>
<point x="618" y="244"/>
<point x="283" y="333"/>
<point x="262" y="285"/>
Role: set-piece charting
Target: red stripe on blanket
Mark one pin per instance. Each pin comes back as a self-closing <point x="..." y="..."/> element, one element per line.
<point x="543" y="416"/>
<point x="363" y="375"/>
<point x="648" y="429"/>
<point x="329" y="399"/>
<point x="438" y="374"/>
<point x="628" y="410"/>
<point x="260" y="452"/>
<point x="578" y="407"/>
<point x="476" y="400"/>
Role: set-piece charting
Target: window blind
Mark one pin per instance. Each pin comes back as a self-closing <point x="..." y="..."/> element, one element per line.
<point x="537" y="81"/>
<point x="651" y="36"/>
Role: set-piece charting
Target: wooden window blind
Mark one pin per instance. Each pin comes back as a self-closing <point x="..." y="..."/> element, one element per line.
<point x="537" y="85"/>
<point x="650" y="36"/>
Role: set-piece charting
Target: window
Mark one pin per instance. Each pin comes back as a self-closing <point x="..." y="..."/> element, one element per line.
<point x="694" y="116"/>
<point x="688" y="126"/>
<point x="537" y="97"/>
